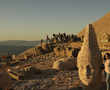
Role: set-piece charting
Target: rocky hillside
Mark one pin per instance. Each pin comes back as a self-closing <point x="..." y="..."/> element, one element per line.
<point x="101" y="26"/>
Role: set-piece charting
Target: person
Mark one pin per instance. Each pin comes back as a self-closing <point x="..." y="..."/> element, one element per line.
<point x="47" y="39"/>
<point x="107" y="70"/>
<point x="41" y="42"/>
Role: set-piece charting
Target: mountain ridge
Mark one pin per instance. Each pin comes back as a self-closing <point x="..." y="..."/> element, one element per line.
<point x="16" y="46"/>
<point x="101" y="26"/>
<point x="19" y="43"/>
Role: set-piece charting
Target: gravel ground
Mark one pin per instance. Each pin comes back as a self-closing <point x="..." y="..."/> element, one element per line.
<point x="57" y="80"/>
<point x="49" y="79"/>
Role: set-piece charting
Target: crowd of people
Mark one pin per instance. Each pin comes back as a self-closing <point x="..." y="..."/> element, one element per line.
<point x="63" y="37"/>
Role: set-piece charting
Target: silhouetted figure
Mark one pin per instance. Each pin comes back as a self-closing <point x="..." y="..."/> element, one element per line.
<point x="47" y="39"/>
<point x="41" y="41"/>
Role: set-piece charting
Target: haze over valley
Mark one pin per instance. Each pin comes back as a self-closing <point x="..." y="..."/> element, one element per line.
<point x="15" y="46"/>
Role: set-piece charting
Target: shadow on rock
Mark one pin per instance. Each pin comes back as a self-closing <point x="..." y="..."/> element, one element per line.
<point x="44" y="74"/>
<point x="103" y="86"/>
<point x="76" y="88"/>
<point x="49" y="73"/>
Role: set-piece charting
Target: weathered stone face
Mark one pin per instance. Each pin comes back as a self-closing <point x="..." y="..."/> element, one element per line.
<point x="89" y="59"/>
<point x="86" y="72"/>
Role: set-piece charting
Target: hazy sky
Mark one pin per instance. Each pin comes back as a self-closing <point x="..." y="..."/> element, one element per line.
<point x="33" y="19"/>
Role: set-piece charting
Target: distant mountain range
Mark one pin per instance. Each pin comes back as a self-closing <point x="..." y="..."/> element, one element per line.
<point x="16" y="46"/>
<point x="19" y="43"/>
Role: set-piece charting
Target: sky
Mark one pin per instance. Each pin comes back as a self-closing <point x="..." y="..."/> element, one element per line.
<point x="34" y="19"/>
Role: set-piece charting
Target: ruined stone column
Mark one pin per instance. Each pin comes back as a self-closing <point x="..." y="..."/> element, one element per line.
<point x="89" y="61"/>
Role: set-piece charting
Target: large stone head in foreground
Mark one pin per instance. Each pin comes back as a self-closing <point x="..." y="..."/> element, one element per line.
<point x="90" y="60"/>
